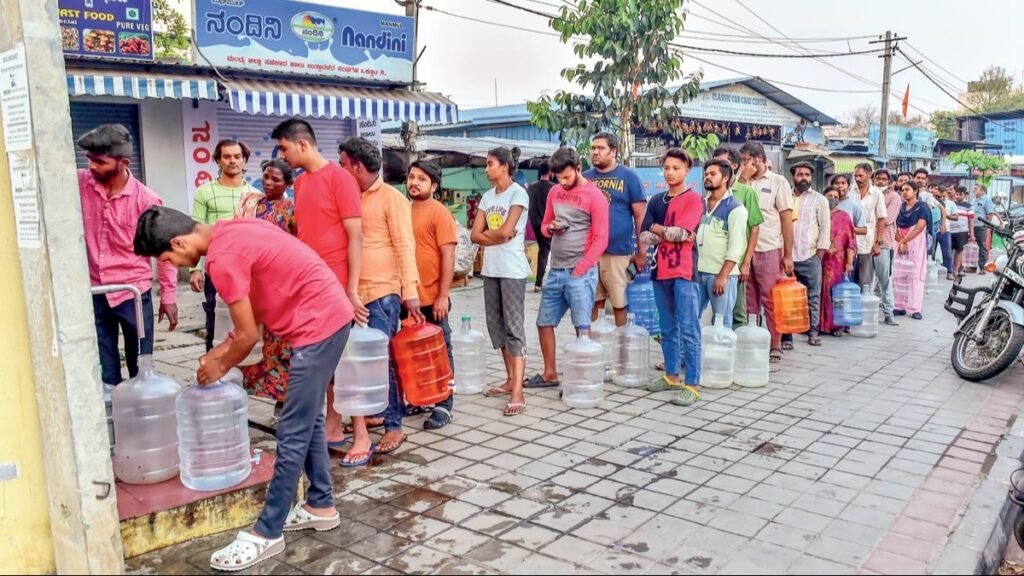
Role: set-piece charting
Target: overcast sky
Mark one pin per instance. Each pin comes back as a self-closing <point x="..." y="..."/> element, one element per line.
<point x="464" y="59"/>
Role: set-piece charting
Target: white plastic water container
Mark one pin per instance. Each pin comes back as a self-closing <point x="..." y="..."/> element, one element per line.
<point x="583" y="379"/>
<point x="361" y="381"/>
<point x="903" y="270"/>
<point x="753" y="349"/>
<point x="633" y="354"/>
<point x="869" y="327"/>
<point x="213" y="434"/>
<point x="469" y="350"/>
<point x="933" y="284"/>
<point x="603" y="332"/>
<point x="718" y="354"/>
<point x="146" y="425"/>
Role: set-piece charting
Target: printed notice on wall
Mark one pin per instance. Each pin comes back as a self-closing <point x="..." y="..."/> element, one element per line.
<point x="14" y="105"/>
<point x="26" y="199"/>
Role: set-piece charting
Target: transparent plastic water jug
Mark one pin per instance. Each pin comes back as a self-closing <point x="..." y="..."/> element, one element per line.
<point x="146" y="425"/>
<point x="421" y="360"/>
<point x="971" y="254"/>
<point x="603" y="332"/>
<point x="847" y="308"/>
<point x="469" y="350"/>
<point x="213" y="434"/>
<point x="868" y="328"/>
<point x="640" y="301"/>
<point x="223" y="325"/>
<point x="791" y="313"/>
<point x="933" y="284"/>
<point x="362" y="379"/>
<point x="633" y="353"/>
<point x="903" y="271"/>
<point x="718" y="354"/>
<point x="753" y="347"/>
<point x="583" y="379"/>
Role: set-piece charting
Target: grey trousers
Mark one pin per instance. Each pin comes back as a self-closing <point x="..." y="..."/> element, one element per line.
<point x="872" y="268"/>
<point x="808" y="273"/>
<point x="301" y="441"/>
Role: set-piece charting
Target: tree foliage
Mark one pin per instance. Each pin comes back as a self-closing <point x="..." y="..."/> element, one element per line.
<point x="995" y="90"/>
<point x="173" y="40"/>
<point x="627" y="66"/>
<point x="983" y="166"/>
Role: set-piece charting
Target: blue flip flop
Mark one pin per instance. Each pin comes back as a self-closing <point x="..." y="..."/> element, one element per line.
<point x="362" y="461"/>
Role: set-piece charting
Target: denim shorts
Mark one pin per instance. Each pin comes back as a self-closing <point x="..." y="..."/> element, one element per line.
<point x="563" y="292"/>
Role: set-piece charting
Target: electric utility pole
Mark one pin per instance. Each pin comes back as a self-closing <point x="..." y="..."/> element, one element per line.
<point x="883" y="123"/>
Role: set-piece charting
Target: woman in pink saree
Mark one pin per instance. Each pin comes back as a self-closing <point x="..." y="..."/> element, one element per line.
<point x="910" y="266"/>
<point x="838" y="261"/>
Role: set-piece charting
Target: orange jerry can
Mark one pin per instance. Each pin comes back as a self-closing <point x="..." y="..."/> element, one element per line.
<point x="424" y="372"/>
<point x="790" y="302"/>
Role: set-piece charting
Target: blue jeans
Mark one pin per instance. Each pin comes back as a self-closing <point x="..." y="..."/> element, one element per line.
<point x="945" y="244"/>
<point x="723" y="304"/>
<point x="111" y="322"/>
<point x="385" y="315"/>
<point x="301" y="440"/>
<point x="679" y="313"/>
<point x="562" y="292"/>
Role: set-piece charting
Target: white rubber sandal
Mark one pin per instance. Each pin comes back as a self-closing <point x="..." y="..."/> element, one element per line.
<point x="300" y="519"/>
<point x="245" y="552"/>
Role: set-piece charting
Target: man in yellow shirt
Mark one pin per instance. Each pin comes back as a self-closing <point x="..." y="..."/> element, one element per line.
<point x="389" y="279"/>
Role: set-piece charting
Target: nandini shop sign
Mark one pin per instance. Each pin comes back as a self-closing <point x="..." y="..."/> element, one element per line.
<point x="280" y="36"/>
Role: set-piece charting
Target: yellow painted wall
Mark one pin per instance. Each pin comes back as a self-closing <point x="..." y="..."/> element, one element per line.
<point x="25" y="541"/>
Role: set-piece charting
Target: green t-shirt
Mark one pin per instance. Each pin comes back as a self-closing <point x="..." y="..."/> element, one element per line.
<point x="215" y="202"/>
<point x="748" y="197"/>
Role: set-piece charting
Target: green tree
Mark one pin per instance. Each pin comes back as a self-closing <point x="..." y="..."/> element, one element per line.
<point x="983" y="166"/>
<point x="995" y="90"/>
<point x="944" y="124"/>
<point x="172" y="42"/>
<point x="627" y="64"/>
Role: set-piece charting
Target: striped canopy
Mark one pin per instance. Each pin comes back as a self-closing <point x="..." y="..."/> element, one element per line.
<point x="139" y="86"/>
<point x="276" y="98"/>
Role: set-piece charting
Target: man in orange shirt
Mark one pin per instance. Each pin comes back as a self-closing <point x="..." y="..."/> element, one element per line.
<point x="436" y="239"/>
<point x="389" y="280"/>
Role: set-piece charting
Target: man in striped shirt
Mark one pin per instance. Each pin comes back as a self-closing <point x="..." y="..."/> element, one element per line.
<point x="812" y="238"/>
<point x="215" y="201"/>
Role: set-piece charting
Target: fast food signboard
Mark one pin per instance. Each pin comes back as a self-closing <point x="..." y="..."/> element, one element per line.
<point x="114" y="29"/>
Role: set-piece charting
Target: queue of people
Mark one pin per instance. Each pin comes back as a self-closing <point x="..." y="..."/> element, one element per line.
<point x="353" y="250"/>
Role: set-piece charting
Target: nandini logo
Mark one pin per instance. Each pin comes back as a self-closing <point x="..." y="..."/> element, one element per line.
<point x="312" y="26"/>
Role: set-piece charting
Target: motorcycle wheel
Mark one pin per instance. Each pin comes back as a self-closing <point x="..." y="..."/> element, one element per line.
<point x="1003" y="342"/>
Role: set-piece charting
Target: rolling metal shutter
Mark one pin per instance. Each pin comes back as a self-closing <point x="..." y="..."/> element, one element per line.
<point x="88" y="115"/>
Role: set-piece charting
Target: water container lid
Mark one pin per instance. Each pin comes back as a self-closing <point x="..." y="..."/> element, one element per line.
<point x="466" y="318"/>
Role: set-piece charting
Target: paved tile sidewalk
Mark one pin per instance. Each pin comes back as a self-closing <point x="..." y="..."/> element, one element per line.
<point x="859" y="457"/>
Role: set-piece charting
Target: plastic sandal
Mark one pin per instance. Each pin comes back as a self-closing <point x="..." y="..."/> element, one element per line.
<point x="359" y="462"/>
<point x="688" y="396"/>
<point x="538" y="381"/>
<point x="245" y="552"/>
<point x="662" y="384"/>
<point x="514" y="409"/>
<point x="439" y="418"/>
<point x="397" y="445"/>
<point x="301" y="519"/>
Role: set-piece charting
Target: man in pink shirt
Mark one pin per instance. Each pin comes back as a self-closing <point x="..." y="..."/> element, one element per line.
<point x="268" y="277"/>
<point x="112" y="200"/>
<point x="576" y="220"/>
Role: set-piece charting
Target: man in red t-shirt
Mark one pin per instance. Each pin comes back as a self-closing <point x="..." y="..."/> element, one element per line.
<point x="671" y="224"/>
<point x="328" y="213"/>
<point x="268" y="277"/>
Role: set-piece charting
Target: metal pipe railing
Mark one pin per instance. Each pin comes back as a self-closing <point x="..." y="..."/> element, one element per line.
<point x="140" y="321"/>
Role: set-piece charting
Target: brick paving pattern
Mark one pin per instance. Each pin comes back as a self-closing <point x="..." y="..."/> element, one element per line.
<point x="859" y="457"/>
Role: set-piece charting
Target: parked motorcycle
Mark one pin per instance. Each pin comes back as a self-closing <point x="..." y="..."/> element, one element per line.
<point x="990" y="334"/>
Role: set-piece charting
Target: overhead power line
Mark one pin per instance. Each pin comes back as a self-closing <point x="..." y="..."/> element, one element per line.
<point x="946" y="70"/>
<point x="781" y="82"/>
<point x="763" y="55"/>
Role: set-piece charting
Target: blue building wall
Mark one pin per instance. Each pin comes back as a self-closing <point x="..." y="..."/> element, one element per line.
<point x="1008" y="133"/>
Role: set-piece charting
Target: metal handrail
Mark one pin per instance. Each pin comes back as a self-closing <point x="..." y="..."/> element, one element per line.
<point x="140" y="321"/>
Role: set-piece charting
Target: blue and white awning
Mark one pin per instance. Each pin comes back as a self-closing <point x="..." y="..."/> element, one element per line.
<point x="140" y="86"/>
<point x="274" y="98"/>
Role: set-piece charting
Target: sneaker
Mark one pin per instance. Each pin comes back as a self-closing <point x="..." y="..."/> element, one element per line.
<point x="891" y="322"/>
<point x="917" y="316"/>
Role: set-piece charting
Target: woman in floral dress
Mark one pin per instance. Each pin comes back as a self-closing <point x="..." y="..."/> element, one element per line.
<point x="838" y="261"/>
<point x="269" y="377"/>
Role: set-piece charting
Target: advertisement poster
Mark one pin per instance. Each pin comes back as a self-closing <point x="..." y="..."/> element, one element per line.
<point x="119" y="29"/>
<point x="276" y="36"/>
<point x="740" y="104"/>
<point x="902" y="142"/>
<point x="15" y="110"/>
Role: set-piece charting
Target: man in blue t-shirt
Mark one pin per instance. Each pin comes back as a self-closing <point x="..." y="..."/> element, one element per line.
<point x="625" y="193"/>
